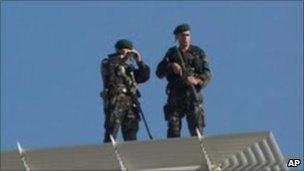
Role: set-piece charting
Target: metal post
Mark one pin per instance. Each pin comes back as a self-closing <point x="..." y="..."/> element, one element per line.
<point x="22" y="156"/>
<point x="121" y="164"/>
<point x="211" y="166"/>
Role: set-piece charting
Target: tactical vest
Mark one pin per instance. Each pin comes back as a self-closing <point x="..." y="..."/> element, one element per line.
<point x="192" y="60"/>
<point x="119" y="76"/>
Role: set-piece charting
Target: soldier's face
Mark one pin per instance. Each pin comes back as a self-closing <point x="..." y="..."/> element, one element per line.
<point x="123" y="51"/>
<point x="184" y="38"/>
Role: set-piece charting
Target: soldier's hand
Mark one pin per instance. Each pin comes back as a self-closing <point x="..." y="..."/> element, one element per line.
<point x="136" y="55"/>
<point x="192" y="80"/>
<point x="177" y="69"/>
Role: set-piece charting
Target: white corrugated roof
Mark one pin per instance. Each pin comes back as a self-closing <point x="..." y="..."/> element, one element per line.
<point x="245" y="151"/>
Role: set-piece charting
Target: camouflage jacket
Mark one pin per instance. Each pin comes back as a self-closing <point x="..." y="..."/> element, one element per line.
<point x="118" y="75"/>
<point x="195" y="63"/>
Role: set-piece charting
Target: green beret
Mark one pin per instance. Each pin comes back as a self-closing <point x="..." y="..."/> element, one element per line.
<point x="181" y="28"/>
<point x="124" y="43"/>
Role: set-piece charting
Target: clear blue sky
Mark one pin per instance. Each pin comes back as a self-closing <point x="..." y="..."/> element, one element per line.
<point x="50" y="55"/>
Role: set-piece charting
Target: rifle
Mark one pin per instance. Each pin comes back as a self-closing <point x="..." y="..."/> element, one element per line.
<point x="186" y="74"/>
<point x="134" y="95"/>
<point x="138" y="107"/>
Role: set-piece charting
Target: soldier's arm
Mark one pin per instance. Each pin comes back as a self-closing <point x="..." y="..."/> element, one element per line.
<point x="142" y="74"/>
<point x="104" y="72"/>
<point x="164" y="67"/>
<point x="203" y="72"/>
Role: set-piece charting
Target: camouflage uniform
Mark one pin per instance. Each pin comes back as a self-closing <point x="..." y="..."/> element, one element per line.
<point x="180" y="98"/>
<point x="120" y="79"/>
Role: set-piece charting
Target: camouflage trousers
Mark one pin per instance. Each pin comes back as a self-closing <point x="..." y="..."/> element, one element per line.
<point x="179" y="105"/>
<point x="121" y="113"/>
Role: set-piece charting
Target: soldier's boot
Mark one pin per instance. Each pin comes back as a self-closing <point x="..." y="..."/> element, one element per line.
<point x="111" y="130"/>
<point x="192" y="130"/>
<point x="174" y="127"/>
<point x="195" y="121"/>
<point x="130" y="136"/>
